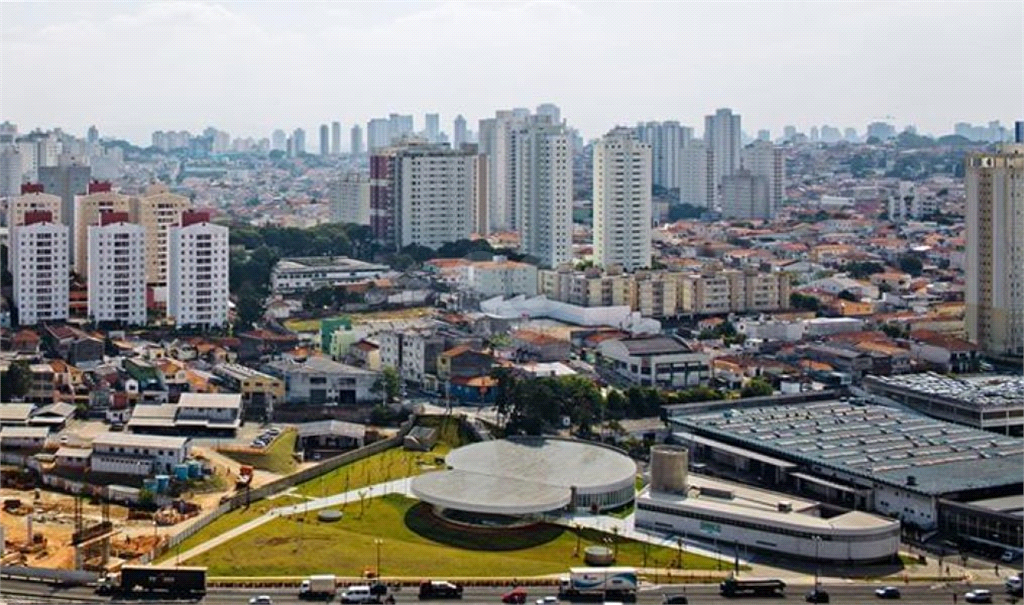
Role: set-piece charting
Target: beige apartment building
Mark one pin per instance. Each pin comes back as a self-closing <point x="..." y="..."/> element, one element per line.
<point x="32" y="202"/>
<point x="157" y="211"/>
<point x="87" y="212"/>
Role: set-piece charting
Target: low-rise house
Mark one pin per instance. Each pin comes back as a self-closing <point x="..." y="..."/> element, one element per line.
<point x="25" y="341"/>
<point x="41" y="389"/>
<point x="260" y="392"/>
<point x="73" y="345"/>
<point x="54" y="416"/>
<point x="145" y="381"/>
<point x="218" y="413"/>
<point x="260" y="344"/>
<point x="15" y="414"/>
<point x="947" y="353"/>
<point x="330" y="435"/>
<point x="321" y="381"/>
<point x="656" y="361"/>
<point x="366" y="354"/>
<point x="72" y="458"/>
<point x="140" y="455"/>
<point x="538" y="346"/>
<point x="31" y="438"/>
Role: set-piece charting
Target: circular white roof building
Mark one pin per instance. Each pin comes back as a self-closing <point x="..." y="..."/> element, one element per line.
<point x="529" y="475"/>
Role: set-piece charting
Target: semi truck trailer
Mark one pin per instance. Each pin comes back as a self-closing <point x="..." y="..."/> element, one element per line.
<point x="599" y="584"/>
<point x="155" y="581"/>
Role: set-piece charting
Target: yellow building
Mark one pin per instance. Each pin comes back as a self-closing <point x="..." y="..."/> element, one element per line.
<point x="158" y="210"/>
<point x="87" y="212"/>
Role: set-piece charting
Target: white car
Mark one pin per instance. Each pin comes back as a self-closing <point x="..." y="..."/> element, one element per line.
<point x="261" y="600"/>
<point x="979" y="596"/>
<point x="547" y="601"/>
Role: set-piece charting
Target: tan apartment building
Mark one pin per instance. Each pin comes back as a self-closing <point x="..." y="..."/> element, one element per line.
<point x="87" y="212"/>
<point x="157" y="211"/>
<point x="32" y="201"/>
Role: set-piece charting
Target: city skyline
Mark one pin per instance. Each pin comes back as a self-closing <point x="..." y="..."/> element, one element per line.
<point x="848" y="65"/>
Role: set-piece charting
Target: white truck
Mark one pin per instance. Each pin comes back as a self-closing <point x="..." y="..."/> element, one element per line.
<point x="599" y="584"/>
<point x="322" y="586"/>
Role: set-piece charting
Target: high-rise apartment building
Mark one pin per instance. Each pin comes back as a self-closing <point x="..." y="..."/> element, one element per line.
<point x="92" y="136"/>
<point x="746" y="196"/>
<point x="66" y="180"/>
<point x="459" y="132"/>
<point x="335" y="138"/>
<point x="117" y="269"/>
<point x="666" y="139"/>
<point x="355" y="143"/>
<point x="399" y="126"/>
<point x="761" y="158"/>
<point x="298" y="142"/>
<point x="39" y="265"/>
<point x="157" y="211"/>
<point x="10" y="170"/>
<point x="197" y="275"/>
<point x="423" y="194"/>
<point x="325" y="140"/>
<point x="350" y="198"/>
<point x="432" y="127"/>
<point x="697" y="175"/>
<point x="764" y="135"/>
<point x="32" y="198"/>
<point x="622" y="200"/>
<point x="994" y="184"/>
<point x="378" y="134"/>
<point x="539" y="180"/>
<point x="722" y="135"/>
<point x="8" y="132"/>
<point x="552" y="111"/>
<point x="279" y="141"/>
<point x="88" y="208"/>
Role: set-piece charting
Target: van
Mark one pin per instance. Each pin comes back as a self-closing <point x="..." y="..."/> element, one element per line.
<point x="359" y="594"/>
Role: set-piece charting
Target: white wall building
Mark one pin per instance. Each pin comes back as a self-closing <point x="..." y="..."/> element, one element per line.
<point x="197" y="273"/>
<point x="761" y="158"/>
<point x="501" y="277"/>
<point x="436" y="192"/>
<point x="667" y="140"/>
<point x="117" y="270"/>
<point x="746" y="196"/>
<point x="697" y="175"/>
<point x="131" y="454"/>
<point x="994" y="185"/>
<point x="39" y="263"/>
<point x="10" y="170"/>
<point x="350" y="198"/>
<point x="541" y="189"/>
<point x="622" y="200"/>
<point x="722" y="135"/>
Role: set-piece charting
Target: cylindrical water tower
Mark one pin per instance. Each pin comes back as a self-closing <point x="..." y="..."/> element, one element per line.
<point x="669" y="467"/>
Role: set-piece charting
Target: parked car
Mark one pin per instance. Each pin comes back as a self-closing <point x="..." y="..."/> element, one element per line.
<point x="1009" y="556"/>
<point x="979" y="596"/>
<point x="547" y="601"/>
<point x="889" y="592"/>
<point x="674" y="599"/>
<point x="817" y="596"/>
<point x="275" y="432"/>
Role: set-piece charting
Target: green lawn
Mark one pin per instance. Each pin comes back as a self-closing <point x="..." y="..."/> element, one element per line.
<point x="277" y="458"/>
<point x="394" y="463"/>
<point x="294" y="547"/>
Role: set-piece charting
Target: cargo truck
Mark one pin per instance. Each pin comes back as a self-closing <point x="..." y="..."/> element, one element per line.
<point x="319" y="587"/>
<point x="599" y="584"/>
<point x="155" y="581"/>
<point x="763" y="587"/>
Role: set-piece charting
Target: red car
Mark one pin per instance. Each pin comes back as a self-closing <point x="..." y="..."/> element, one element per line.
<point x="516" y="595"/>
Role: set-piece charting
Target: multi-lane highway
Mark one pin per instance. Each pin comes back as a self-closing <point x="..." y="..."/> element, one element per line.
<point x="18" y="592"/>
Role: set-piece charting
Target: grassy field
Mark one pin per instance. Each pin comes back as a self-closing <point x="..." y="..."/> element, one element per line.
<point x="313" y="325"/>
<point x="277" y="458"/>
<point x="304" y="546"/>
<point x="394" y="463"/>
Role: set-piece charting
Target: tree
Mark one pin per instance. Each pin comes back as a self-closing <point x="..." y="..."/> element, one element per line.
<point x="804" y="301"/>
<point x="757" y="387"/>
<point x="389" y="383"/>
<point x="910" y="263"/>
<point x="847" y="295"/>
<point x="863" y="269"/>
<point x="17" y="381"/>
<point x="249" y="307"/>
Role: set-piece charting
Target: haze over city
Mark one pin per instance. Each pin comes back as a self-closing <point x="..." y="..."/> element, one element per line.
<point x="132" y="68"/>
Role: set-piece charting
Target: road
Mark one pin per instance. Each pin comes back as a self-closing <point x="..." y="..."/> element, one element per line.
<point x="17" y="592"/>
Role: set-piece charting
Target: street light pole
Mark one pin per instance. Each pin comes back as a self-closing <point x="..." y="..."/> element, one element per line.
<point x="378" y="542"/>
<point x="817" y="561"/>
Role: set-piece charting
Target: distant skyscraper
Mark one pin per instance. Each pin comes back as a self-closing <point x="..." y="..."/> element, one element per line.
<point x="459" y="132"/>
<point x="764" y="135"/>
<point x="745" y="196"/>
<point x="789" y="133"/>
<point x="761" y="158"/>
<point x="116" y="270"/>
<point x="335" y="138"/>
<point x="399" y="126"/>
<point x="850" y="135"/>
<point x="622" y="200"/>
<point x="881" y="130"/>
<point x="67" y="180"/>
<point x="666" y="139"/>
<point x="93" y="135"/>
<point x="355" y="145"/>
<point x="298" y="142"/>
<point x="994" y="186"/>
<point x="197" y="272"/>
<point x="325" y="140"/>
<point x="432" y="127"/>
<point x="539" y="175"/>
<point x="830" y="134"/>
<point x="8" y="132"/>
<point x="697" y="175"/>
<point x="722" y="135"/>
<point x="550" y="110"/>
<point x="279" y="141"/>
<point x="378" y="134"/>
<point x="10" y="170"/>
<point x="814" y="134"/>
<point x="39" y="265"/>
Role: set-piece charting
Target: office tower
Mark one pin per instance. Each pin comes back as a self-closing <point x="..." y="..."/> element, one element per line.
<point x="994" y="186"/>
<point x="550" y="110"/>
<point x="298" y="142"/>
<point x="622" y="200"/>
<point x="117" y="269"/>
<point x="279" y="141"/>
<point x="764" y="135"/>
<point x="459" y="132"/>
<point x="761" y="158"/>
<point x="830" y="134"/>
<point x="850" y="135"/>
<point x="746" y="196"/>
<point x="398" y="127"/>
<point x="335" y="138"/>
<point x="157" y="211"/>
<point x="814" y="134"/>
<point x="325" y="140"/>
<point x="8" y="132"/>
<point x="432" y="127"/>
<point x="666" y="140"/>
<point x="39" y="265"/>
<point x="93" y="135"/>
<point x="197" y="272"/>
<point x="377" y="134"/>
<point x="10" y="170"/>
<point x="88" y="208"/>
<point x="722" y="136"/>
<point x="423" y="194"/>
<point x="350" y="198"/>
<point x="32" y="199"/>
<point x="881" y="130"/>
<point x="355" y="144"/>
<point x="539" y="178"/>
<point x="68" y="179"/>
<point x="788" y="133"/>
<point x="697" y="175"/>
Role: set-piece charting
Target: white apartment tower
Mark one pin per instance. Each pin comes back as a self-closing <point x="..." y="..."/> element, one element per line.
<point x="88" y="208"/>
<point x="355" y="144"/>
<point x="157" y="211"/>
<point x="197" y="276"/>
<point x="622" y="200"/>
<point x="39" y="265"/>
<point x="745" y="196"/>
<point x="117" y="269"/>
<point x="350" y="198"/>
<point x="722" y="135"/>
<point x="697" y="175"/>
<point x="335" y="138"/>
<point x="762" y="158"/>
<point x="10" y="170"/>
<point x="667" y="140"/>
<point x="994" y="184"/>
<point x="436" y="194"/>
<point x="459" y="132"/>
<point x="539" y="188"/>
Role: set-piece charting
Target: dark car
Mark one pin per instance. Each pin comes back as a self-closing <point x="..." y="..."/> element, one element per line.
<point x="889" y="592"/>
<point x="675" y="599"/>
<point x="817" y="596"/>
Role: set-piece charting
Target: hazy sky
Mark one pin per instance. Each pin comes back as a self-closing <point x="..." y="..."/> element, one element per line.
<point x="250" y="67"/>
